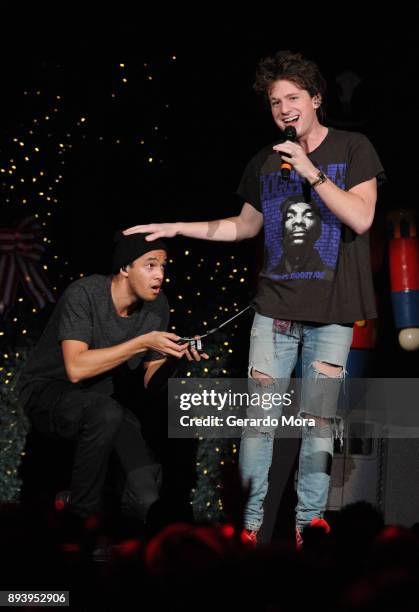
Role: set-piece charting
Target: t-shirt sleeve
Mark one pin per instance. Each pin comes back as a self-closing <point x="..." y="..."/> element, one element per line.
<point x="364" y="163"/>
<point x="75" y="319"/>
<point x="163" y="325"/>
<point x="249" y="187"/>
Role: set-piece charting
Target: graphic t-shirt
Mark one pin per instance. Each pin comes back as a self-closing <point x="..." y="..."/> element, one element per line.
<point x="86" y="312"/>
<point x="315" y="268"/>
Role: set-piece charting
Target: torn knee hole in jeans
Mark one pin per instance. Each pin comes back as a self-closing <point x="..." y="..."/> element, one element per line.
<point x="327" y="369"/>
<point x="260" y="377"/>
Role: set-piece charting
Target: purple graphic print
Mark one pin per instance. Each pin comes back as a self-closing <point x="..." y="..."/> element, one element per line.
<point x="302" y="235"/>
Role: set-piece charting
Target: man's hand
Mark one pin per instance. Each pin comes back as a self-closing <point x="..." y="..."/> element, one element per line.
<point x="297" y="157"/>
<point x="164" y="342"/>
<point x="156" y="230"/>
<point x="157" y="372"/>
<point x="193" y="355"/>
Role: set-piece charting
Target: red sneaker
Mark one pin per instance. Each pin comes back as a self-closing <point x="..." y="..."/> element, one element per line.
<point x="315" y="522"/>
<point x="319" y="522"/>
<point x="249" y="537"/>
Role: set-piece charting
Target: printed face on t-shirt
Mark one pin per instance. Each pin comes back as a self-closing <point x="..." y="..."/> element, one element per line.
<point x="302" y="235"/>
<point x="301" y="225"/>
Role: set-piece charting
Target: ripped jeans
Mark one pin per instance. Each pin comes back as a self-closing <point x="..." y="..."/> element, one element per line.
<point x="274" y="347"/>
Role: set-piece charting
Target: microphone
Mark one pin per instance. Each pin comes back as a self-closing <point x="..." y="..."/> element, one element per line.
<point x="290" y="133"/>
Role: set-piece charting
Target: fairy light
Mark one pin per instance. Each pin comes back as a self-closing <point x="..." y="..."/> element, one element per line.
<point x="39" y="187"/>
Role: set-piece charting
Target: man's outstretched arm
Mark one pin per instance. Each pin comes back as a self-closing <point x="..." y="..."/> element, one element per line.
<point x="245" y="225"/>
<point x="82" y="363"/>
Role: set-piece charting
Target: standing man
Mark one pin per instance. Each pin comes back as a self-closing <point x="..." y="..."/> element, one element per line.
<point x="315" y="305"/>
<point x="103" y="329"/>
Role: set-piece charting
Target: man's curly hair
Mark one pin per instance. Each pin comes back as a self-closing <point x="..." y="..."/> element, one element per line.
<point x="292" y="67"/>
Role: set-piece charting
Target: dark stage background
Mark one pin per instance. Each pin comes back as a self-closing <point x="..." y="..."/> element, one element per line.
<point x="139" y="122"/>
<point x="198" y="116"/>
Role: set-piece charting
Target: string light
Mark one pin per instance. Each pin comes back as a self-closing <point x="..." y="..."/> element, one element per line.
<point x="31" y="150"/>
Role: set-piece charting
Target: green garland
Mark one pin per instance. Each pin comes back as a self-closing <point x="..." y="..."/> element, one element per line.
<point x="14" y="427"/>
<point x="212" y="453"/>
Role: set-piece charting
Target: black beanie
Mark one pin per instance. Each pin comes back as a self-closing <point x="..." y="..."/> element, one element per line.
<point x="128" y="248"/>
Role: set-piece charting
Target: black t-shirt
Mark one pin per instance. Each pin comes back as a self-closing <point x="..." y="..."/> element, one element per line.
<point x="86" y="312"/>
<point x="315" y="268"/>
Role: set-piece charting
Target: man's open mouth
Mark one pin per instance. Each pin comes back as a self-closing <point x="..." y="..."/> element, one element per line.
<point x="291" y="120"/>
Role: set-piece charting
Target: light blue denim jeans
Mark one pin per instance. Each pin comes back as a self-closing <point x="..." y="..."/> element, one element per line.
<point x="274" y="349"/>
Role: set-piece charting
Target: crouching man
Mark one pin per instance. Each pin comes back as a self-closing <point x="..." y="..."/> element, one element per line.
<point x="103" y="329"/>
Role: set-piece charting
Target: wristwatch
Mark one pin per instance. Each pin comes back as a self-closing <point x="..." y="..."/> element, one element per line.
<point x="321" y="178"/>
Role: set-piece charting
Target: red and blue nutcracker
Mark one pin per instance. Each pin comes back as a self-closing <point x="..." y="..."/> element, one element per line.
<point x="404" y="275"/>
